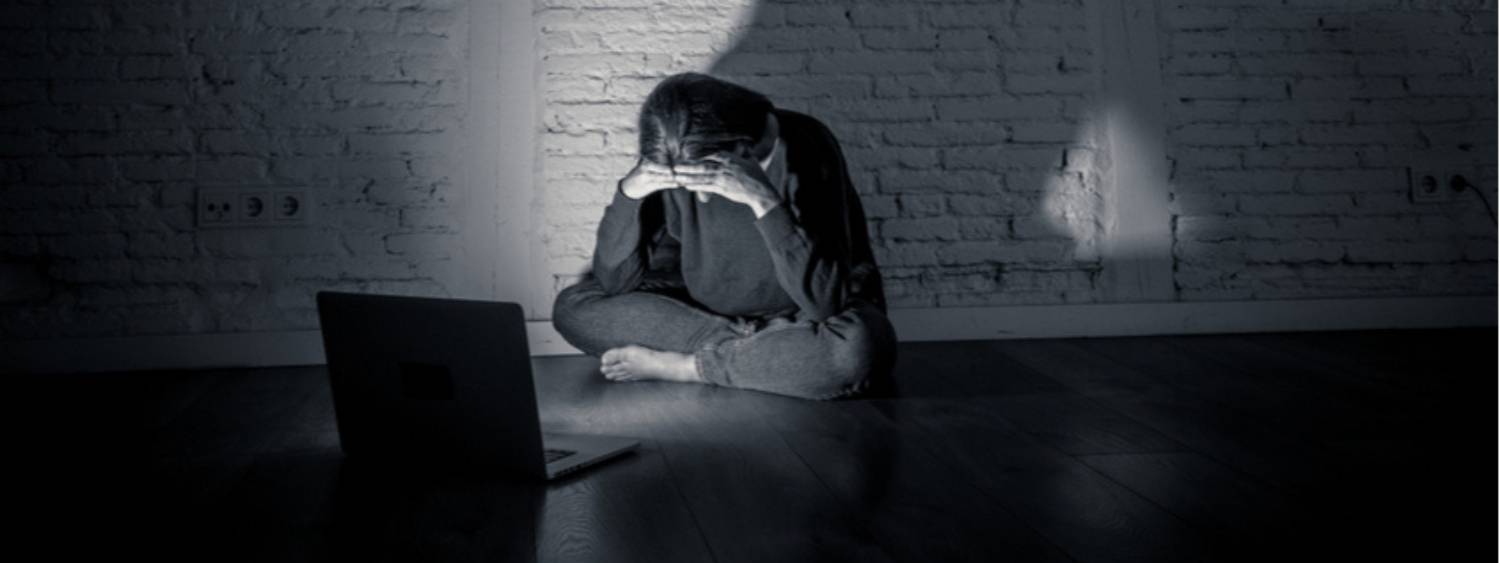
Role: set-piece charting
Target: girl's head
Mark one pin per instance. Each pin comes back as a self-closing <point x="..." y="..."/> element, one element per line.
<point x="689" y="116"/>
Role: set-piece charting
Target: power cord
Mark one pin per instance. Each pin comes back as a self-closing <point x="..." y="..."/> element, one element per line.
<point x="1460" y="182"/>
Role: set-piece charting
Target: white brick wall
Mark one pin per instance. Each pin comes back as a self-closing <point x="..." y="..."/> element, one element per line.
<point x="1289" y="130"/>
<point x="972" y="133"/>
<point x="965" y="126"/>
<point x="113" y="113"/>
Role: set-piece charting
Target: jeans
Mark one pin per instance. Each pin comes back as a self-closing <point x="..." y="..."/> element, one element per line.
<point x="840" y="356"/>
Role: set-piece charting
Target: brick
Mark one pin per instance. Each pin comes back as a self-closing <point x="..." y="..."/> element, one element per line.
<point x="938" y="84"/>
<point x="973" y="252"/>
<point x="903" y="157"/>
<point x="439" y="22"/>
<point x="101" y="245"/>
<point x="859" y="63"/>
<point x="1319" y="181"/>
<point x="1072" y="83"/>
<point x="1302" y="158"/>
<point x="919" y="229"/>
<point x="396" y="94"/>
<point x="944" y="134"/>
<point x="1217" y="228"/>
<point x="900" y="39"/>
<point x="995" y="108"/>
<point x="148" y="92"/>
<point x="1199" y="18"/>
<point x="1004" y="298"/>
<point x="105" y="296"/>
<point x="800" y="40"/>
<point x="90" y="271"/>
<point x="1038" y="15"/>
<point x="1021" y="63"/>
<point x="919" y="205"/>
<point x="428" y="218"/>
<point x="965" y="61"/>
<point x="422" y="244"/>
<point x="1299" y="251"/>
<point x="1480" y="250"/>
<point x="1295" y="204"/>
<point x="879" y="207"/>
<point x="1228" y="89"/>
<point x="136" y="143"/>
<point x="1047" y="280"/>
<point x="1003" y="158"/>
<point x="1349" y="135"/>
<point x="1209" y="253"/>
<point x="1208" y="64"/>
<point x="162" y="245"/>
<point x="1040" y="227"/>
<point x="762" y="63"/>
<point x="1226" y="181"/>
<point x="1404" y="252"/>
<point x="1373" y="87"/>
<point x="1446" y="86"/>
<point x="878" y="111"/>
<point x="865" y="15"/>
<point x="963" y="39"/>
<point x="1045" y="132"/>
<point x="970" y="16"/>
<point x="1378" y="228"/>
<point x="984" y="228"/>
<point x="900" y="181"/>
<point x="784" y="87"/>
<point x="685" y="41"/>
<point x="1297" y="228"/>
<point x="817" y="15"/>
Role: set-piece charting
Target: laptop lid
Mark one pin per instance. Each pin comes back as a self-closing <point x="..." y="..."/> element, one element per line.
<point x="434" y="382"/>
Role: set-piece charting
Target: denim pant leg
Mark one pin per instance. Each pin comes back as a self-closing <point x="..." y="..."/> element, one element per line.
<point x="658" y="316"/>
<point x="838" y="357"/>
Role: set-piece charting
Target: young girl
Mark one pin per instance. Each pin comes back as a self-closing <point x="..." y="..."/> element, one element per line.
<point x="734" y="254"/>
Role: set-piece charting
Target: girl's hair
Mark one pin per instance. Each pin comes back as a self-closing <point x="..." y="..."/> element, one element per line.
<point x="689" y="116"/>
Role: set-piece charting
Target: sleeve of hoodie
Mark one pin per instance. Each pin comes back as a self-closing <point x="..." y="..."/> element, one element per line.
<point x="809" y="233"/>
<point x="621" y="247"/>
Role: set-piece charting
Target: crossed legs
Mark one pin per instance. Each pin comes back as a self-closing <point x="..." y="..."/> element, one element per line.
<point x="658" y="333"/>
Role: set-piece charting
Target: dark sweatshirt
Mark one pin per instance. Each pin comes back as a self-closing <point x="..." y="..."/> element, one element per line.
<point x="807" y="256"/>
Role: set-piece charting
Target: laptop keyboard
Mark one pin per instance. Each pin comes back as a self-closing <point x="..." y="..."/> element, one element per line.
<point x="554" y="455"/>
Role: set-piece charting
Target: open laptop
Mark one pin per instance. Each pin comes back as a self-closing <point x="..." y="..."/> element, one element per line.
<point x="426" y="381"/>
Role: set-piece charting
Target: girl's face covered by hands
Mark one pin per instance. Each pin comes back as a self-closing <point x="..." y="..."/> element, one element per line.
<point x="740" y="163"/>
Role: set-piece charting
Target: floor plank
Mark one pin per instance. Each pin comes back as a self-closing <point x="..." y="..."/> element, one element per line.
<point x="1246" y="519"/>
<point x="881" y="469"/>
<point x="1355" y="445"/>
<point x="1087" y="515"/>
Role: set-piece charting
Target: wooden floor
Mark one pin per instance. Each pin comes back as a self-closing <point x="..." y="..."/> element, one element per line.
<point x="1372" y="445"/>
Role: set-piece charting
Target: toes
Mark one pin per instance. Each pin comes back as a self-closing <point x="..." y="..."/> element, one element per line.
<point x="616" y="372"/>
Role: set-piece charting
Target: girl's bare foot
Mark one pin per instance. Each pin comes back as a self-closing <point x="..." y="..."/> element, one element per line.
<point x="638" y="363"/>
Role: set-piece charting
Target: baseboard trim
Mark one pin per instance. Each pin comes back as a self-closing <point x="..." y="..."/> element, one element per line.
<point x="270" y="349"/>
<point x="1214" y="317"/>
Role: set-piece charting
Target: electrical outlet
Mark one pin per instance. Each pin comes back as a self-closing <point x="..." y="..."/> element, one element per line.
<point x="1428" y="185"/>
<point x="1456" y="184"/>
<point x="291" y="207"/>
<point x="252" y="207"/>
<point x="255" y="208"/>
<point x="216" y="207"/>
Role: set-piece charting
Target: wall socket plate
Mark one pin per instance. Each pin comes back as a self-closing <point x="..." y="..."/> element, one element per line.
<point x="1440" y="181"/>
<point x="240" y="207"/>
<point x="1426" y="185"/>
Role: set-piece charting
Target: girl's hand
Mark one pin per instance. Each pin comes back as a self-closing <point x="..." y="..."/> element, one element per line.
<point x="733" y="177"/>
<point x="646" y="178"/>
